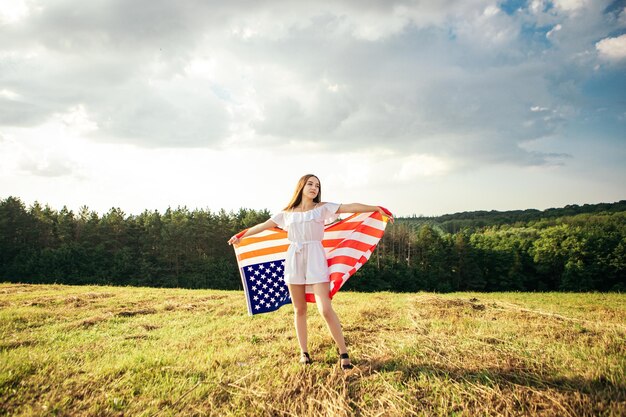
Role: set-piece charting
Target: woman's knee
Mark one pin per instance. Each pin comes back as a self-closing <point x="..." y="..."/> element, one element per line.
<point x="326" y="310"/>
<point x="299" y="310"/>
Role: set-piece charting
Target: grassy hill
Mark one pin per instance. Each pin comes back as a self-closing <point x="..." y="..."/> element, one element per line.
<point x="454" y="222"/>
<point x="113" y="351"/>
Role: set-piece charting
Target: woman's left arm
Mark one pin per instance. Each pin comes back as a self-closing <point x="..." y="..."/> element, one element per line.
<point x="362" y="208"/>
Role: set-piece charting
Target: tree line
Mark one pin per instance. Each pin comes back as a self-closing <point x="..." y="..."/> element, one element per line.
<point x="583" y="249"/>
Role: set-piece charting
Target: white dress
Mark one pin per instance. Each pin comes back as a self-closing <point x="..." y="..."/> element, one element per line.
<point x="306" y="259"/>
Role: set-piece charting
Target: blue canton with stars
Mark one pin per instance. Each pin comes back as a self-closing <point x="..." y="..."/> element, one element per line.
<point x="265" y="286"/>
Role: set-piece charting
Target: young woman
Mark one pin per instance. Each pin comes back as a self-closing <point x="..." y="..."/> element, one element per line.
<point x="304" y="219"/>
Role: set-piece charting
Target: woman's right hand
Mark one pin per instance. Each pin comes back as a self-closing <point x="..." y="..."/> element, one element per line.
<point x="234" y="240"/>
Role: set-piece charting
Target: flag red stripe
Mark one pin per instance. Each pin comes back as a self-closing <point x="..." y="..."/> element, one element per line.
<point x="369" y="230"/>
<point x="262" y="252"/>
<point x="346" y="260"/>
<point x="331" y="243"/>
<point x="353" y="244"/>
<point x="359" y="227"/>
<point x="336" y="276"/>
<point x="279" y="234"/>
<point x="343" y="226"/>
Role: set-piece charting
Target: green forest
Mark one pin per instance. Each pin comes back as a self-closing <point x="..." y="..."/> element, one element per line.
<point x="575" y="248"/>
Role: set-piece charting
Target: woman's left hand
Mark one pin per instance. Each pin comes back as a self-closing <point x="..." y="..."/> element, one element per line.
<point x="383" y="211"/>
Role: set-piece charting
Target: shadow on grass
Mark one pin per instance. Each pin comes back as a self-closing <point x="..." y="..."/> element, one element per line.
<point x="490" y="376"/>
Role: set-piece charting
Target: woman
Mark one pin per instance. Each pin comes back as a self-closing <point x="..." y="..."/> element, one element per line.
<point x="306" y="264"/>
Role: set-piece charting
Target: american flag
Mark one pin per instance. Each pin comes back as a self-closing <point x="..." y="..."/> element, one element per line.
<point x="261" y="258"/>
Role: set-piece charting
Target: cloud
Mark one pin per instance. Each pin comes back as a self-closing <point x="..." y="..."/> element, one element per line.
<point x="51" y="167"/>
<point x="8" y="94"/>
<point x="49" y="150"/>
<point x="413" y="167"/>
<point x="612" y="49"/>
<point x="39" y="161"/>
<point x="553" y="31"/>
<point x="11" y="11"/>
<point x="571" y="5"/>
<point x="450" y="79"/>
<point x="312" y="115"/>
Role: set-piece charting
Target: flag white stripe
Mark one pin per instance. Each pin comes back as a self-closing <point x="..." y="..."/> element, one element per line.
<point x="361" y="237"/>
<point x="353" y="253"/>
<point x="260" y="259"/>
<point x="339" y="267"/>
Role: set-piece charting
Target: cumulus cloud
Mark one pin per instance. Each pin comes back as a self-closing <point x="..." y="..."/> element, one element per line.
<point x="612" y="49"/>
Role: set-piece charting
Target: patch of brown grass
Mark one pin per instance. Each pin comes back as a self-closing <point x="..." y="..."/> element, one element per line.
<point x="89" y="322"/>
<point x="131" y="313"/>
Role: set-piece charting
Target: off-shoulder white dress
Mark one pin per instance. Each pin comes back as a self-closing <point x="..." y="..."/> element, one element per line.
<point x="306" y="259"/>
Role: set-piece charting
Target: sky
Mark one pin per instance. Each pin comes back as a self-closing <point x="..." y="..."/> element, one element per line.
<point x="424" y="107"/>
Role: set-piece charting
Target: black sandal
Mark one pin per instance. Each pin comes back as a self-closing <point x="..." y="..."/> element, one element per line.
<point x="345" y="366"/>
<point x="305" y="359"/>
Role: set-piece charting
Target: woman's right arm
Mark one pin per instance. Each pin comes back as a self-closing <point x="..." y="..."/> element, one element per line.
<point x="252" y="231"/>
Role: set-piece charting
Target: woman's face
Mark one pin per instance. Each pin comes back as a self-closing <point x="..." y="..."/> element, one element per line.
<point x="311" y="188"/>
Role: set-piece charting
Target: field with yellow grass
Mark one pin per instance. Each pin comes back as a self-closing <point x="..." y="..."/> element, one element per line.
<point x="121" y="351"/>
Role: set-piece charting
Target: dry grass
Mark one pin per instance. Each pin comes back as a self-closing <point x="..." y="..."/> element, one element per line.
<point x="83" y="351"/>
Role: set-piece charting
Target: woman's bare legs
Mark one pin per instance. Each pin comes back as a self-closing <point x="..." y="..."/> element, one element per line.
<point x="322" y="298"/>
<point x="297" y="293"/>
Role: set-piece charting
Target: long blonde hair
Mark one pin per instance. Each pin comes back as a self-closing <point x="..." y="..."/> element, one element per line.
<point x="297" y="195"/>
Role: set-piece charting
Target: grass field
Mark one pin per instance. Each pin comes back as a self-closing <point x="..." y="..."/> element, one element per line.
<point x="111" y="351"/>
